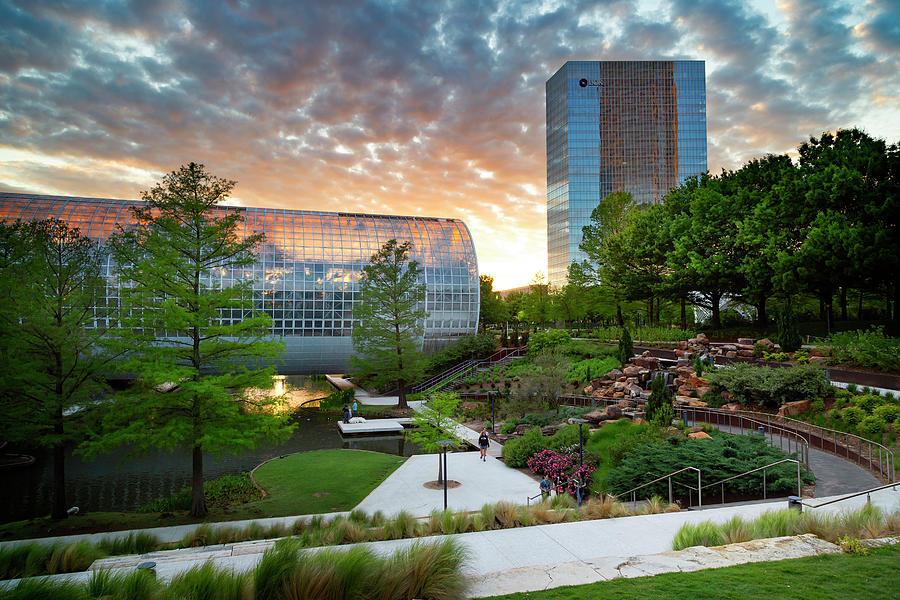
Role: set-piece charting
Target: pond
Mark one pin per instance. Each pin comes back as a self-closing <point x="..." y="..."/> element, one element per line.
<point x="111" y="483"/>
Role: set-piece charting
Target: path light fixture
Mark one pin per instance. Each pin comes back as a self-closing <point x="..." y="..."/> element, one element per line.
<point x="580" y="442"/>
<point x="443" y="444"/>
<point x="492" y="394"/>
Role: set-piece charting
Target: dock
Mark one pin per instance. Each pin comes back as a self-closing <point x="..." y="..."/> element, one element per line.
<point x="374" y="426"/>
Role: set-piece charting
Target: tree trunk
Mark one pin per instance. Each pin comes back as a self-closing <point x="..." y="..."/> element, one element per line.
<point x="715" y="323"/>
<point x="401" y="395"/>
<point x="59" y="481"/>
<point x="440" y="469"/>
<point x="859" y="305"/>
<point x="762" y="317"/>
<point x="198" y="500"/>
<point x="619" y="320"/>
<point x="843" y="303"/>
<point x="683" y="314"/>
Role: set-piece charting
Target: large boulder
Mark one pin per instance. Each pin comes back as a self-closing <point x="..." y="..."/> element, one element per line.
<point x="746" y="341"/>
<point x="614" y="374"/>
<point x="631" y="371"/>
<point x="648" y="362"/>
<point x="634" y="390"/>
<point x="610" y="413"/>
<point x="551" y="429"/>
<point x="734" y="406"/>
<point x="769" y="344"/>
<point x="523" y="427"/>
<point x="792" y="409"/>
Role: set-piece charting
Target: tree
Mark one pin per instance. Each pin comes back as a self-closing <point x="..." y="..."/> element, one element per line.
<point x="625" y="352"/>
<point x="434" y="423"/>
<point x="53" y="354"/>
<point x="492" y="309"/>
<point x="659" y="405"/>
<point x="607" y="219"/>
<point x="536" y="304"/>
<point x="182" y="270"/>
<point x="388" y="321"/>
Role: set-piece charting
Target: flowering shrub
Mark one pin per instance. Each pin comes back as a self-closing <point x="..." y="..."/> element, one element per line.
<point x="561" y="466"/>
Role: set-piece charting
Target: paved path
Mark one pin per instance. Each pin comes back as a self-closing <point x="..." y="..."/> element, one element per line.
<point x="834" y="475"/>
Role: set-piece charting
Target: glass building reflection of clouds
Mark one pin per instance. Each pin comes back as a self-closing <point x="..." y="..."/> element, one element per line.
<point x="631" y="126"/>
<point x="306" y="277"/>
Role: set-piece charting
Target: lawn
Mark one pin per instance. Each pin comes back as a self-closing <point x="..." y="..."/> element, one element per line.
<point x="322" y="480"/>
<point x="814" y="578"/>
<point x="304" y="483"/>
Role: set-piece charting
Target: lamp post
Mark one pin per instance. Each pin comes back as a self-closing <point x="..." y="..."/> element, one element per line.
<point x="492" y="394"/>
<point x="443" y="444"/>
<point x="580" y="442"/>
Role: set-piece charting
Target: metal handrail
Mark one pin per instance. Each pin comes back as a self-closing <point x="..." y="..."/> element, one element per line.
<point x="444" y="376"/>
<point x="801" y="444"/>
<point x="853" y="495"/>
<point x="883" y="466"/>
<point x="669" y="477"/>
<point x="763" y="469"/>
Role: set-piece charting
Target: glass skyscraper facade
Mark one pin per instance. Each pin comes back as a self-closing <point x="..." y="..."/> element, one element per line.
<point x="630" y="126"/>
<point x="307" y="273"/>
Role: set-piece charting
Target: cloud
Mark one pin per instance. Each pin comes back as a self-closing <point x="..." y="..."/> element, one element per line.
<point x="400" y="108"/>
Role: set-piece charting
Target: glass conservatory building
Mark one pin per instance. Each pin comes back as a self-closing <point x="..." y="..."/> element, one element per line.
<point x="307" y="273"/>
<point x="617" y="126"/>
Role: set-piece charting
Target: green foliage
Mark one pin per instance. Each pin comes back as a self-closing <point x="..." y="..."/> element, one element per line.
<point x="801" y="356"/>
<point x="888" y="413"/>
<point x="626" y="348"/>
<point x="817" y="406"/>
<point x="568" y="436"/>
<point x="659" y="405"/>
<point x="647" y="334"/>
<point x="547" y="340"/>
<point x="852" y="415"/>
<point x="222" y="492"/>
<point x="479" y="345"/>
<point x="516" y="452"/>
<point x="718" y="458"/>
<point x="867" y="402"/>
<point x="788" y="334"/>
<point x="338" y="399"/>
<point x="851" y="545"/>
<point x="763" y="386"/>
<point x="181" y="268"/>
<point x="583" y="349"/>
<point x="593" y="367"/>
<point x="870" y="349"/>
<point x="54" y="352"/>
<point x="389" y="319"/>
<point x="872" y="424"/>
<point x="704" y="533"/>
<point x="435" y="422"/>
<point x="759" y="350"/>
<point x="775" y="356"/>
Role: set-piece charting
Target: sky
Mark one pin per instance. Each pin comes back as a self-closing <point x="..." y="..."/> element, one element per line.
<point x="406" y="108"/>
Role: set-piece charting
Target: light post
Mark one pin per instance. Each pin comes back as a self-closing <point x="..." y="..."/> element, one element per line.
<point x="580" y="443"/>
<point x="443" y="444"/>
<point x="492" y="394"/>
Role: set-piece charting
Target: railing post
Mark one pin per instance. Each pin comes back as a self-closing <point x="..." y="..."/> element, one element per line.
<point x="670" y="489"/>
<point x="699" y="491"/>
<point x="798" y="479"/>
<point x="764" y="484"/>
<point x="723" y="492"/>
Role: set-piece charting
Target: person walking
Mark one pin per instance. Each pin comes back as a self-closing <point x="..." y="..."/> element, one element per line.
<point x="483" y="442"/>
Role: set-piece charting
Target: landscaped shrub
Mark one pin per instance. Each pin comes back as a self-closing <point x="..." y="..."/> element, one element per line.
<point x="718" y="458"/>
<point x="516" y="452"/>
<point x="852" y="415"/>
<point x="568" y="436"/>
<point x="788" y="334"/>
<point x="887" y="413"/>
<point x="872" y="425"/>
<point x="659" y="405"/>
<point x="817" y="406"/>
<point x="562" y="466"/>
<point x="871" y="349"/>
<point x="583" y="350"/>
<point x="228" y="490"/>
<point x="868" y="402"/>
<point x="338" y="399"/>
<point x="479" y="345"/>
<point x="547" y="340"/>
<point x="763" y="386"/>
<point x="584" y="370"/>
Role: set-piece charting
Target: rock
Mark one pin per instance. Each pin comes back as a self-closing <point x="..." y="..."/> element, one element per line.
<point x="793" y="408"/>
<point x="684" y="371"/>
<point x="618" y="386"/>
<point x="614" y="374"/>
<point x="702" y="339"/>
<point x="634" y="390"/>
<point x="551" y="429"/>
<point x="697" y="403"/>
<point x="734" y="406"/>
<point x="769" y="344"/>
<point x="631" y="371"/>
<point x="729" y="347"/>
<point x="523" y="427"/>
<point x="682" y="345"/>
<point x="647" y="362"/>
<point x="745" y="347"/>
<point x="745" y="353"/>
<point x="611" y="413"/>
<point x="731" y="354"/>
<point x="683" y="400"/>
<point x="702" y="390"/>
<point x="817" y="360"/>
<point x="726" y="395"/>
<point x="588" y="390"/>
<point x="746" y="341"/>
<point x="470" y="406"/>
<point x="699" y="435"/>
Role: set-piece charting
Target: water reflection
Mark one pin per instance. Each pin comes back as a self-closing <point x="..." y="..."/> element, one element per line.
<point x="112" y="483"/>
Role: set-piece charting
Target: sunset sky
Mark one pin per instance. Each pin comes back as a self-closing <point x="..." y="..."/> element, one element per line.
<point x="408" y="108"/>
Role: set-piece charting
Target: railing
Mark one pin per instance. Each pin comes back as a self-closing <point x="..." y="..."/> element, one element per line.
<point x="751" y="422"/>
<point x="876" y="458"/>
<point x="854" y="495"/>
<point x="465" y="368"/>
<point x="763" y="469"/>
<point x="698" y="489"/>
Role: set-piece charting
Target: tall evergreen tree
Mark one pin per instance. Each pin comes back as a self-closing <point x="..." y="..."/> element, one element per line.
<point x="389" y="321"/>
<point x="52" y="334"/>
<point x="195" y="340"/>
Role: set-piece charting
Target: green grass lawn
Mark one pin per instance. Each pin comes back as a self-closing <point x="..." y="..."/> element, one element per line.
<point x="305" y="483"/>
<point x="815" y="578"/>
<point x="602" y="439"/>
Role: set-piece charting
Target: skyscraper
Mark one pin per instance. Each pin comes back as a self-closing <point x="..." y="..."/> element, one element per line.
<point x="630" y="126"/>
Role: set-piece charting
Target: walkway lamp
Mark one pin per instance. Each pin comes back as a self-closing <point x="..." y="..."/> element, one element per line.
<point x="580" y="442"/>
<point x="443" y="444"/>
<point x="492" y="394"/>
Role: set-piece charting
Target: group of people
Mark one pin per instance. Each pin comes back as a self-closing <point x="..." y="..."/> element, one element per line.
<point x="350" y="411"/>
<point x="547" y="486"/>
